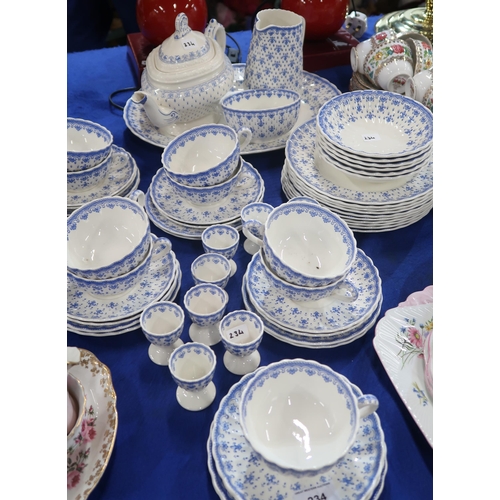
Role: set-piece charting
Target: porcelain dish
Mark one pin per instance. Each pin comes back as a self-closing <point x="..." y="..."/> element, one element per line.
<point x="314" y="92"/>
<point x="101" y="398"/>
<point x="244" y="475"/>
<point x="399" y="344"/>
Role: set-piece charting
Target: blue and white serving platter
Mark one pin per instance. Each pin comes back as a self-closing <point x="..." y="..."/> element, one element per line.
<point x="249" y="188"/>
<point x="121" y="175"/>
<point x="242" y="474"/>
<point x="328" y="316"/>
<point x="314" y="93"/>
<point x="84" y="307"/>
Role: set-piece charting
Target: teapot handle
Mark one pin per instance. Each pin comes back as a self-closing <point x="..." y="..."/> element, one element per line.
<point x="217" y="32"/>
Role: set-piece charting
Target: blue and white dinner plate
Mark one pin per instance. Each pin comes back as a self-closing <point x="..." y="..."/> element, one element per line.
<point x="243" y="474"/>
<point x="248" y="189"/>
<point x="82" y="306"/>
<point x="314" y="93"/>
<point x="326" y="316"/>
<point x="122" y="173"/>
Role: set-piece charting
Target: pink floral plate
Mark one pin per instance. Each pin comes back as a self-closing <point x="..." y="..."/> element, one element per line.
<point x="399" y="342"/>
<point x="416" y="298"/>
<point x="85" y="467"/>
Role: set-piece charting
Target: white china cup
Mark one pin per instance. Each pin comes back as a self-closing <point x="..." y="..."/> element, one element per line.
<point x="88" y="144"/>
<point x="222" y="239"/>
<point x="268" y="113"/>
<point x="119" y="285"/>
<point x="162" y="324"/>
<point x="88" y="178"/>
<point x="359" y="52"/>
<point x="257" y="212"/>
<point x="192" y="367"/>
<point x="420" y="85"/>
<point x="421" y="50"/>
<point x="314" y="419"/>
<point x="241" y="332"/>
<point x="205" y="304"/>
<point x="206" y="155"/>
<point x="211" y="268"/>
<point x="107" y="237"/>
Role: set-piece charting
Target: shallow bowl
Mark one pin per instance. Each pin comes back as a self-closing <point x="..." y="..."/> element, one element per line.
<point x="88" y="144"/>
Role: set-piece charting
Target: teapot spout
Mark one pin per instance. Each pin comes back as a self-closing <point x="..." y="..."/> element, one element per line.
<point x="159" y="116"/>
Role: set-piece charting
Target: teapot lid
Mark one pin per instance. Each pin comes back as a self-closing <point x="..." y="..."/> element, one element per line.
<point x="183" y="46"/>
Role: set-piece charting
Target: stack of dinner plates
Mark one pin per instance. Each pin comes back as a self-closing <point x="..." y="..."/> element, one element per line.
<point x="180" y="217"/>
<point x="325" y="323"/>
<point x="122" y="178"/>
<point x="101" y="316"/>
<point x="238" y="472"/>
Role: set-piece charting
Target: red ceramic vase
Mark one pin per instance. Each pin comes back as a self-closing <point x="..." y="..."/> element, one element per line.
<point x="156" y="18"/>
<point x="323" y="17"/>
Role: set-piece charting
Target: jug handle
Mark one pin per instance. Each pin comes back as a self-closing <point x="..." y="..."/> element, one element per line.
<point x="217" y="32"/>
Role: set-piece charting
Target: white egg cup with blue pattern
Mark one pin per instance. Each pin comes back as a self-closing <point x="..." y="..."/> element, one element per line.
<point x="222" y="239"/>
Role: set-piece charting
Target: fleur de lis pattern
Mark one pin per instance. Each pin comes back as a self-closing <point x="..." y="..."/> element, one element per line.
<point x="246" y="475"/>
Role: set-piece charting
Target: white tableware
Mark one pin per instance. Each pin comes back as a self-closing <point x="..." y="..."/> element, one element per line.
<point x="420" y="85"/>
<point x="107" y="237"/>
<point x="205" y="304"/>
<point x="362" y="49"/>
<point x="77" y="404"/>
<point x="211" y="268"/>
<point x="249" y="188"/>
<point x="88" y="144"/>
<point x="314" y="92"/>
<point x="256" y="212"/>
<point x="376" y="124"/>
<point x="120" y="175"/>
<point x="399" y="343"/>
<point x="88" y="308"/>
<point x="82" y="180"/>
<point x="356" y="477"/>
<point x="222" y="239"/>
<point x="422" y="53"/>
<point x="275" y="56"/>
<point x="241" y="332"/>
<point x="268" y="113"/>
<point x="185" y="77"/>
<point x="307" y="244"/>
<point x="85" y="471"/>
<point x="162" y="324"/>
<point x="301" y="416"/>
<point x="429" y="363"/>
<point x="424" y="296"/>
<point x="205" y="155"/>
<point x="119" y="285"/>
<point x="192" y="366"/>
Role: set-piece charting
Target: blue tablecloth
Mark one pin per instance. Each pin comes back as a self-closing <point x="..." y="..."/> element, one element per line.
<point x="160" y="449"/>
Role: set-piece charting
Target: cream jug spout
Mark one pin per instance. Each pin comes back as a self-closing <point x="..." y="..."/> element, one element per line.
<point x="159" y="116"/>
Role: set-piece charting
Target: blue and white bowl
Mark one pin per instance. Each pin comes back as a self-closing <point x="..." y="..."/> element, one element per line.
<point x="122" y="284"/>
<point x="308" y="245"/>
<point x="205" y="304"/>
<point x="88" y="144"/>
<point x="192" y="366"/>
<point x="207" y="195"/>
<point x="241" y="332"/>
<point x="203" y="156"/>
<point x="89" y="178"/>
<point x="268" y="113"/>
<point x="211" y="268"/>
<point x="107" y="237"/>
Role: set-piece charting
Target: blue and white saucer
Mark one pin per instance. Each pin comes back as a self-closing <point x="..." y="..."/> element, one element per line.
<point x="315" y="92"/>
<point x="243" y="474"/>
<point x="249" y="188"/>
<point x="121" y="175"/>
<point x="84" y="307"/>
<point x="329" y="315"/>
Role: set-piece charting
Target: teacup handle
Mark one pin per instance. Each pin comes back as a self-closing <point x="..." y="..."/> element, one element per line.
<point x="73" y="356"/>
<point x="345" y="291"/>
<point x="253" y="229"/>
<point x="244" y="137"/>
<point x="139" y="197"/>
<point x="367" y="404"/>
<point x="161" y="248"/>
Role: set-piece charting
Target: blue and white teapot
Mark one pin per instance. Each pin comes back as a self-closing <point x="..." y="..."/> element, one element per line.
<point x="185" y="77"/>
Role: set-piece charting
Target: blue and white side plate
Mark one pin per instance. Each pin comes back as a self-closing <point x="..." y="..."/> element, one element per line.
<point x="157" y="280"/>
<point x="245" y="475"/>
<point x="247" y="190"/>
<point x="326" y="316"/>
<point x="314" y="93"/>
<point x="122" y="172"/>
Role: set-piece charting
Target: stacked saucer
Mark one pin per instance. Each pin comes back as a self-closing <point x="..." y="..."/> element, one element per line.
<point x="238" y="472"/>
<point x="367" y="203"/>
<point x="180" y="217"/>
<point x="115" y="173"/>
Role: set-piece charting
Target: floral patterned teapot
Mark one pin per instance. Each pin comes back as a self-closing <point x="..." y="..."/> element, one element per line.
<point x="185" y="78"/>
